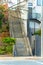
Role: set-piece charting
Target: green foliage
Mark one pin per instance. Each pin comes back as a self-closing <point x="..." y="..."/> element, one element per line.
<point x="9" y="40"/>
<point x="6" y="49"/>
<point x="2" y="52"/>
<point x="2" y="9"/>
<point x="38" y="32"/>
<point x="8" y="44"/>
<point x="0" y="24"/>
<point x="2" y="49"/>
<point x="1" y="16"/>
<point x="9" y="49"/>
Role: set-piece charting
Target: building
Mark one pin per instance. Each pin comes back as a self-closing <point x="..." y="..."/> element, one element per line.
<point x="33" y="22"/>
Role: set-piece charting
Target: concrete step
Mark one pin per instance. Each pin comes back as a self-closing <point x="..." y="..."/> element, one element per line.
<point x="21" y="48"/>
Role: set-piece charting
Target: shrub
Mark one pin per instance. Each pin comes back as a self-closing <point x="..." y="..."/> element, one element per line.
<point x="9" y="49"/>
<point x="9" y="41"/>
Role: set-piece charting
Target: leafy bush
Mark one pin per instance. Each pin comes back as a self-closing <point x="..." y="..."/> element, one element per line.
<point x="2" y="52"/>
<point x="1" y="16"/>
<point x="6" y="49"/>
<point x="2" y="49"/>
<point x="9" y="49"/>
<point x="9" y="40"/>
<point x="8" y="45"/>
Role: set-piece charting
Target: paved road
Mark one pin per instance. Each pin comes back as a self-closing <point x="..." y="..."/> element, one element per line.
<point x="29" y="62"/>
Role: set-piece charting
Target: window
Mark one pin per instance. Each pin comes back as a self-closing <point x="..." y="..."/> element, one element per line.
<point x="39" y="2"/>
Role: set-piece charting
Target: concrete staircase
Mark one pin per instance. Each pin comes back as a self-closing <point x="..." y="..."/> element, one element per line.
<point x="17" y="30"/>
<point x="22" y="48"/>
